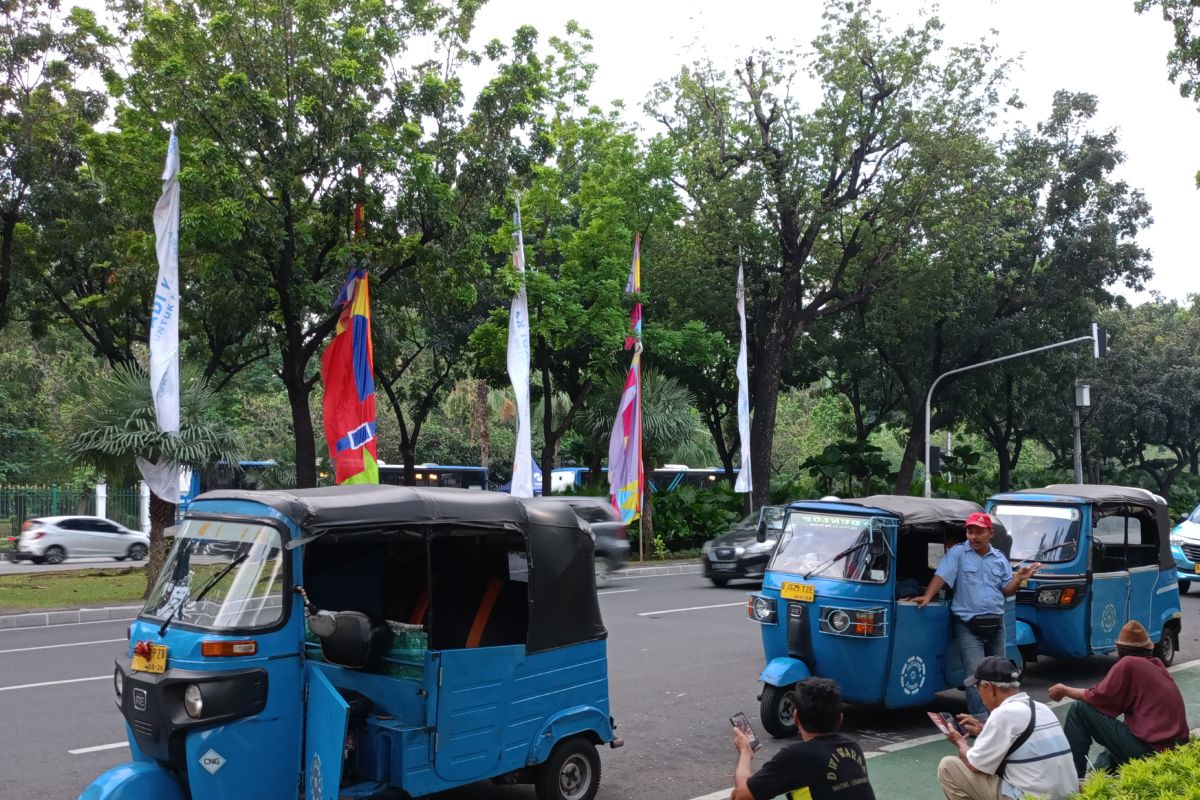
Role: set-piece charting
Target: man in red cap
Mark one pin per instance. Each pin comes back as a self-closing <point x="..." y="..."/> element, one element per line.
<point x="981" y="578"/>
<point x="1138" y="686"/>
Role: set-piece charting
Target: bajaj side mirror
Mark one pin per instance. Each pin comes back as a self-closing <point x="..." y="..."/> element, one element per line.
<point x="761" y="534"/>
<point x="875" y="546"/>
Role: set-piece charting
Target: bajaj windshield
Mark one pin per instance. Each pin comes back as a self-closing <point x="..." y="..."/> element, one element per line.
<point x="1040" y="533"/>
<point x="831" y="546"/>
<point x="244" y="563"/>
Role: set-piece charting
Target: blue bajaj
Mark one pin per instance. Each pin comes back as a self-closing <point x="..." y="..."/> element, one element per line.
<point x="366" y="641"/>
<point x="838" y="601"/>
<point x="1106" y="559"/>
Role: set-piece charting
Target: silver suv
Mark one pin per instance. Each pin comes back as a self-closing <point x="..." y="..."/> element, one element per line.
<point x="50" y="540"/>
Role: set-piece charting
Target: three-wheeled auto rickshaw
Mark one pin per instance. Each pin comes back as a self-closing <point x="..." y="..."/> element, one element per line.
<point x="838" y="601"/>
<point x="365" y="641"/>
<point x="1106" y="559"/>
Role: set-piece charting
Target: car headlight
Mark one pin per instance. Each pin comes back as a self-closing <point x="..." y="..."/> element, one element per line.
<point x="1176" y="540"/>
<point x="118" y="682"/>
<point x="762" y="547"/>
<point x="706" y="548"/>
<point x="193" y="701"/>
<point x="762" y="609"/>
<point x="739" y="551"/>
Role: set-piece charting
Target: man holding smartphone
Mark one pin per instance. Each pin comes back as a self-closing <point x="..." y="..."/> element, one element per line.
<point x="826" y="765"/>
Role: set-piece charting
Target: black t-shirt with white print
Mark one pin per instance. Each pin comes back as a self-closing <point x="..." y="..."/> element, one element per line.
<point x="830" y="767"/>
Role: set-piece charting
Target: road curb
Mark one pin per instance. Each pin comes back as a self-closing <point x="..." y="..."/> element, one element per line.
<point x="37" y="619"/>
<point x="666" y="569"/>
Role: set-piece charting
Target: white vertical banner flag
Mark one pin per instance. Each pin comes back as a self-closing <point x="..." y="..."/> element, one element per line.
<point x="518" y="368"/>
<point x="745" y="481"/>
<point x="163" y="479"/>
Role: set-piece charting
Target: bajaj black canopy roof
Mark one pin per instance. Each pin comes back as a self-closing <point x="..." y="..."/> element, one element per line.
<point x="924" y="512"/>
<point x="563" y="608"/>
<point x="1109" y="501"/>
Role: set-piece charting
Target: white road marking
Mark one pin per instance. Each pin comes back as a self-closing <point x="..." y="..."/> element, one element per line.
<point x="907" y="743"/>
<point x="53" y="683"/>
<point x="80" y="751"/>
<point x="612" y="591"/>
<point x="52" y="646"/>
<point x="622" y="577"/>
<point x="692" y="608"/>
<point x="66" y="624"/>
<point x="1185" y="665"/>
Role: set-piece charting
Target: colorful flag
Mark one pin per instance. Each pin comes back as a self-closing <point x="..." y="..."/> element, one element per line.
<point x="163" y="478"/>
<point x="625" y="477"/>
<point x="518" y="368"/>
<point x="348" y="373"/>
<point x="744" y="482"/>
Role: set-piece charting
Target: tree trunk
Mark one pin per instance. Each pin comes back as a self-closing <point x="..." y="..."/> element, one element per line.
<point x="8" y="227"/>
<point x="1004" y="478"/>
<point x="298" y="392"/>
<point x="767" y="374"/>
<point x="485" y="413"/>
<point x="162" y="516"/>
<point x="408" y="454"/>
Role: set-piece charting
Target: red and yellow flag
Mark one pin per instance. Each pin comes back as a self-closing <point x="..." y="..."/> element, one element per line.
<point x="348" y="373"/>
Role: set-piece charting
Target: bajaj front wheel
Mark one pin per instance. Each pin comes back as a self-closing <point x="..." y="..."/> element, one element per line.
<point x="777" y="710"/>
<point x="571" y="773"/>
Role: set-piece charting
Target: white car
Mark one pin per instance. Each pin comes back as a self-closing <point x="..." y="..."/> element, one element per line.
<point x="49" y="540"/>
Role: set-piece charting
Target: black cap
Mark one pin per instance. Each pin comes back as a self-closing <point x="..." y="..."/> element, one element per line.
<point x="994" y="669"/>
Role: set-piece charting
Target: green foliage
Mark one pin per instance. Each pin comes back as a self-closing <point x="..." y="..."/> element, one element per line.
<point x="1170" y="775"/>
<point x="686" y="516"/>
<point x="848" y="467"/>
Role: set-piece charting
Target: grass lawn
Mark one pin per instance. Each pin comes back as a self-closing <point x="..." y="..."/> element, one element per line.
<point x="73" y="589"/>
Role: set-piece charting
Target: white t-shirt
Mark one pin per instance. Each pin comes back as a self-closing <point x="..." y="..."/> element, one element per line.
<point x="1042" y="766"/>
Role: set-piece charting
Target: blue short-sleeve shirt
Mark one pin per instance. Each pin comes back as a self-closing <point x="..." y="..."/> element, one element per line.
<point x="978" y="581"/>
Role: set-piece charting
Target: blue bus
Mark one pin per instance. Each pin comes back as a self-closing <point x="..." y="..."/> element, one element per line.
<point x="455" y="477"/>
<point x="666" y="478"/>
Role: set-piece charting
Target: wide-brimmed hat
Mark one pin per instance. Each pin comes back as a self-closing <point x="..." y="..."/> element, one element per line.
<point x="1134" y="635"/>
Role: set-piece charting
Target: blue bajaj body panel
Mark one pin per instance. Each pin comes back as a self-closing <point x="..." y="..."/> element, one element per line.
<point x="325" y="736"/>
<point x="500" y="709"/>
<point x="139" y="780"/>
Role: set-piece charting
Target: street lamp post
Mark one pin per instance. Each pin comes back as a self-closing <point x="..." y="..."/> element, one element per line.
<point x="1083" y="399"/>
<point x="1098" y="338"/>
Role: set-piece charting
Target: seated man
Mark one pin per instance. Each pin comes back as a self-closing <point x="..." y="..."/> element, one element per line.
<point x="1019" y="751"/>
<point x="824" y="766"/>
<point x="1137" y="686"/>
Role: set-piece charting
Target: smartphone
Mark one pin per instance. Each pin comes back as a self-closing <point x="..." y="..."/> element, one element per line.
<point x="740" y="722"/>
<point x="952" y="722"/>
<point x="944" y="721"/>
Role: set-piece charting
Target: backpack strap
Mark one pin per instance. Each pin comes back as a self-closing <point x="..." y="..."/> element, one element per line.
<point x="1020" y="740"/>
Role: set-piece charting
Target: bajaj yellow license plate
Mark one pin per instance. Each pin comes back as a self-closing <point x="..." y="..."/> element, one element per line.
<point x="157" y="662"/>
<point x="803" y="592"/>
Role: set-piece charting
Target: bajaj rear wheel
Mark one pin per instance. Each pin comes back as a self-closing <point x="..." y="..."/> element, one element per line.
<point x="777" y="710"/>
<point x="1184" y="586"/>
<point x="571" y="773"/>
<point x="1166" y="647"/>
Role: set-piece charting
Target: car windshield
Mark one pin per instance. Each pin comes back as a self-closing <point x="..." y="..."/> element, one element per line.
<point x="812" y="541"/>
<point x="1040" y="533"/>
<point x="1195" y="517"/>
<point x="250" y="595"/>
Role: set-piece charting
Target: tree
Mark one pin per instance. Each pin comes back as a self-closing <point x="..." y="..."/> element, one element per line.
<point x="836" y="190"/>
<point x="1183" y="62"/>
<point x="580" y="214"/>
<point x="117" y="424"/>
<point x="302" y="110"/>
<point x="44" y="113"/>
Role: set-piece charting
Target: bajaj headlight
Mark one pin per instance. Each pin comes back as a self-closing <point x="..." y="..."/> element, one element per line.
<point x="762" y="609"/>
<point x="193" y="701"/>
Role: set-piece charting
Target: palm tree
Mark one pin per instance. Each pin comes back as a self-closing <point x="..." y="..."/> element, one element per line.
<point x="670" y="428"/>
<point x="117" y="424"/>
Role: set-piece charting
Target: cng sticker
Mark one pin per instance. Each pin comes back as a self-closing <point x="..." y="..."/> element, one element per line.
<point x="317" y="785"/>
<point x="212" y="761"/>
<point x="1108" y="619"/>
<point x="912" y="675"/>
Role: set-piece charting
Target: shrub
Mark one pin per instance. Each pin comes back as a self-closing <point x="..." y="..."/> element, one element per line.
<point x="1167" y="776"/>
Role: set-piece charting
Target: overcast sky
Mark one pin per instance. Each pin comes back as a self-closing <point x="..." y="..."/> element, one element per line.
<point x="1097" y="46"/>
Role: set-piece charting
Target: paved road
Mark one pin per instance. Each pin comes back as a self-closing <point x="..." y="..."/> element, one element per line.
<point x="682" y="659"/>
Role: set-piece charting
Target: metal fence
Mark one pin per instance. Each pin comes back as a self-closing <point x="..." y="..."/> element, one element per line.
<point x="19" y="503"/>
